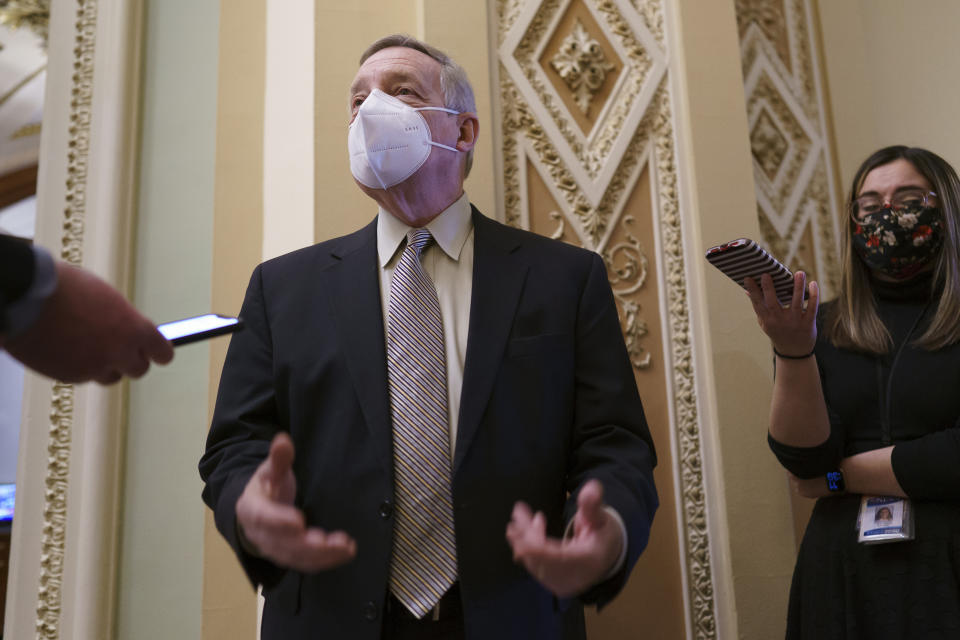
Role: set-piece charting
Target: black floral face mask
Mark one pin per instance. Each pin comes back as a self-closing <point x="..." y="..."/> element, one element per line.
<point x="899" y="244"/>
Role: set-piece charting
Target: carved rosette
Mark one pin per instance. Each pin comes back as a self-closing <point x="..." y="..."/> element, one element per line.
<point x="606" y="228"/>
<point x="582" y="64"/>
<point x="62" y="400"/>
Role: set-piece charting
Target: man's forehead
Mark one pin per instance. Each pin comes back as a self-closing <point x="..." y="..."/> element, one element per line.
<point x="399" y="61"/>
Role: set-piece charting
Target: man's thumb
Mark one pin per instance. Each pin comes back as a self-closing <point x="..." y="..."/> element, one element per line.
<point x="280" y="458"/>
<point x="590" y="501"/>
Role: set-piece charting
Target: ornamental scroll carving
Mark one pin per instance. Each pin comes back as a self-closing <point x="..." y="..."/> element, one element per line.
<point x="590" y="179"/>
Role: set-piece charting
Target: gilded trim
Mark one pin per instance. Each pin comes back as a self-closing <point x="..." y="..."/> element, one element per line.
<point x="62" y="401"/>
<point x="559" y="160"/>
<point x="687" y="424"/>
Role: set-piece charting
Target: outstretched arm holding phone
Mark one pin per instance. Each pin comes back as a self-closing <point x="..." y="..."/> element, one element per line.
<point x="66" y="323"/>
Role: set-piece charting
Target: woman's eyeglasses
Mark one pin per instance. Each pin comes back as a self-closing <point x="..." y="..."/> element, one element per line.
<point x="872" y="203"/>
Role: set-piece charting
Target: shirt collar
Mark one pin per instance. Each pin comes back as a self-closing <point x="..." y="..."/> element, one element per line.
<point x="449" y="229"/>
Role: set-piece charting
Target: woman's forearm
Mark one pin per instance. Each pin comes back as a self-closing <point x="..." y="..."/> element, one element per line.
<point x="871" y="473"/>
<point x="798" y="411"/>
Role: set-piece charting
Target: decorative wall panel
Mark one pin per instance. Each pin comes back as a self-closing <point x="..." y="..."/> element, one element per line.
<point x="795" y="181"/>
<point x="62" y="403"/>
<point x="588" y="152"/>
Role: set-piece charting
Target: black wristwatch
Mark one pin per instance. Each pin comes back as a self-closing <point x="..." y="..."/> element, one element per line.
<point x="835" y="481"/>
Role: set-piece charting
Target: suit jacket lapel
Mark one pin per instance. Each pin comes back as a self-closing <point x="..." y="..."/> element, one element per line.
<point x="499" y="273"/>
<point x="353" y="283"/>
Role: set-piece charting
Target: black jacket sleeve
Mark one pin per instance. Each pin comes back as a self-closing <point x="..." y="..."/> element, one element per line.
<point x="17" y="267"/>
<point x="612" y="440"/>
<point x="927" y="468"/>
<point x="244" y="423"/>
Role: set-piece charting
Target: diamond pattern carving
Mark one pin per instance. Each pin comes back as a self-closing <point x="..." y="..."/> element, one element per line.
<point x="594" y="153"/>
<point x="796" y="191"/>
<point x="768" y="144"/>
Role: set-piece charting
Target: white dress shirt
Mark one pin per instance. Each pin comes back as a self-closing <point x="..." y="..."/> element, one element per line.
<point x="449" y="263"/>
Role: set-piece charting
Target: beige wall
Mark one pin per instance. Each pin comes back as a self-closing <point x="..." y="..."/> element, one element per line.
<point x="750" y="524"/>
<point x="343" y="32"/>
<point x="162" y="531"/>
<point x="229" y="604"/>
<point x="891" y="68"/>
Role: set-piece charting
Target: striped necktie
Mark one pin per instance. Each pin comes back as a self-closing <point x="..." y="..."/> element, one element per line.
<point x="424" y="563"/>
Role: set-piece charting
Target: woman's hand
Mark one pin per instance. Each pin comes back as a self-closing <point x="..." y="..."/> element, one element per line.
<point x="791" y="329"/>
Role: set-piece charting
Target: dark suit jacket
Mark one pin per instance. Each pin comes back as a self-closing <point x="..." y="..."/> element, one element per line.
<point x="549" y="400"/>
<point x="16" y="273"/>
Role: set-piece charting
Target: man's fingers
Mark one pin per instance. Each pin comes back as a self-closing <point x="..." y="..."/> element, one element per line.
<point x="105" y="378"/>
<point x="273" y="518"/>
<point x="525" y="529"/>
<point x="156" y="347"/>
<point x="136" y="365"/>
<point x="317" y="550"/>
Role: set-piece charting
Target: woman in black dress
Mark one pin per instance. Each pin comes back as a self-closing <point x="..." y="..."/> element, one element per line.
<point x="867" y="402"/>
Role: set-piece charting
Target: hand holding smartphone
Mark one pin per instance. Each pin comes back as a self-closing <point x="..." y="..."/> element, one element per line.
<point x="743" y="258"/>
<point x="199" y="328"/>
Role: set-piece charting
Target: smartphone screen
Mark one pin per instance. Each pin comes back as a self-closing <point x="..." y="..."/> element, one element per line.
<point x="198" y="328"/>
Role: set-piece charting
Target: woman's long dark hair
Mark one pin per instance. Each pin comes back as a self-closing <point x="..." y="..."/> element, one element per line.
<point x="854" y="323"/>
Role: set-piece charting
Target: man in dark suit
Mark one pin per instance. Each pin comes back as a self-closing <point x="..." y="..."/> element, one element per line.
<point x="545" y="496"/>
<point x="68" y="324"/>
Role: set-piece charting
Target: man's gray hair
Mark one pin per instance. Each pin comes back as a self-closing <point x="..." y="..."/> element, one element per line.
<point x="457" y="92"/>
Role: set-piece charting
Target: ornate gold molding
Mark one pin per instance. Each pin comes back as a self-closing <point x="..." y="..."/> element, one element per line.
<point x="693" y="491"/>
<point x="591" y="155"/>
<point x="55" y="511"/>
<point x="651" y="141"/>
<point x="627" y="268"/>
<point x="62" y="405"/>
<point x="26" y="131"/>
<point x="27" y="14"/>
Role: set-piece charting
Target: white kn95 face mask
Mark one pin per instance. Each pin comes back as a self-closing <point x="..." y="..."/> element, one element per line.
<point x="389" y="140"/>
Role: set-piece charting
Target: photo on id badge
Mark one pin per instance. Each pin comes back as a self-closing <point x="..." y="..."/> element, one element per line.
<point x="882" y="517"/>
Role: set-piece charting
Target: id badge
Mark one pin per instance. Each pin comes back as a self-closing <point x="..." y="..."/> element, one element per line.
<point x="884" y="519"/>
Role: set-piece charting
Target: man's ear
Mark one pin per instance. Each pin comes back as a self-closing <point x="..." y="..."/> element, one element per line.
<point x="469" y="127"/>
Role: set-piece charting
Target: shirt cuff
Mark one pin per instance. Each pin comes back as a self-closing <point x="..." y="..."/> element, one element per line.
<point x="568" y="533"/>
<point x="23" y="313"/>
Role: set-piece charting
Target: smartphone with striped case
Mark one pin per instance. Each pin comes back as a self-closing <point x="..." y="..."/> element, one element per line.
<point x="743" y="258"/>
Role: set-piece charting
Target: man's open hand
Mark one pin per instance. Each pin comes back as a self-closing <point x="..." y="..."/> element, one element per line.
<point x="272" y="528"/>
<point x="572" y="565"/>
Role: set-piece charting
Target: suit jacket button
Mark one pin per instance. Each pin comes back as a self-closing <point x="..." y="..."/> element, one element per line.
<point x="370" y="611"/>
<point x="386" y="509"/>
